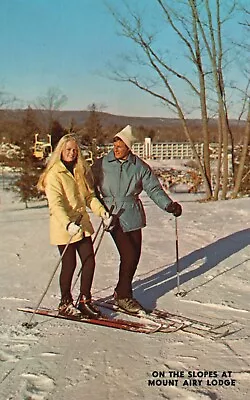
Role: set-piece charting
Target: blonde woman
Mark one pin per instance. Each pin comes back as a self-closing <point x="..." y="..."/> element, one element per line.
<point x="67" y="183"/>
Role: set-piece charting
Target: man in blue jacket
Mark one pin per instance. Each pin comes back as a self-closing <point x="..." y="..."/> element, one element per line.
<point x="120" y="177"/>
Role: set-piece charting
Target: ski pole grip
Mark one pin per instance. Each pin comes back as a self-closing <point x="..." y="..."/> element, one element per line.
<point x="111" y="209"/>
<point x="78" y="220"/>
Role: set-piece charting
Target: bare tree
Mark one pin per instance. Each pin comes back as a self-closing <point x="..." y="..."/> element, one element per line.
<point x="244" y="153"/>
<point x="212" y="38"/>
<point x="52" y="101"/>
<point x="6" y="99"/>
<point x="155" y="61"/>
<point x="199" y="28"/>
<point x="245" y="98"/>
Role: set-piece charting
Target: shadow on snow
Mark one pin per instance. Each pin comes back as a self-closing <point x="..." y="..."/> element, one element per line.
<point x="151" y="288"/>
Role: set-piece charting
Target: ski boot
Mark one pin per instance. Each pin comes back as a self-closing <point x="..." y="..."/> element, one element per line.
<point x="129" y="305"/>
<point x="87" y="308"/>
<point x="67" y="308"/>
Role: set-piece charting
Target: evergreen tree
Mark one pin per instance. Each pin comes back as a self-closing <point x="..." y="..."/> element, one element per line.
<point x="30" y="127"/>
<point x="30" y="168"/>
<point x="57" y="131"/>
<point x="25" y="185"/>
<point x="92" y="126"/>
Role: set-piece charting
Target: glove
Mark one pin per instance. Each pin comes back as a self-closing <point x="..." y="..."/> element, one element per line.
<point x="174" y="208"/>
<point x="107" y="221"/>
<point x="73" y="229"/>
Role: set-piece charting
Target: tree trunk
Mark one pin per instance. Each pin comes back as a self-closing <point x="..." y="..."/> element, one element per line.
<point x="225" y="158"/>
<point x="218" y="170"/>
<point x="243" y="157"/>
<point x="197" y="159"/>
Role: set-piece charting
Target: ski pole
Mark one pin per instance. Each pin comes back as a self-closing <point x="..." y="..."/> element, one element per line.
<point x="79" y="272"/>
<point x="103" y="231"/>
<point x="29" y="324"/>
<point x="99" y="241"/>
<point x="179" y="293"/>
<point x="96" y="249"/>
<point x="97" y="232"/>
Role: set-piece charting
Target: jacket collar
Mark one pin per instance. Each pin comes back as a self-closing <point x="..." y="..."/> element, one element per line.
<point x="131" y="157"/>
<point x="60" y="167"/>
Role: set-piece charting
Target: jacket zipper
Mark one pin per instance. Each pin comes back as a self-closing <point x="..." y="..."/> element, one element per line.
<point x="121" y="164"/>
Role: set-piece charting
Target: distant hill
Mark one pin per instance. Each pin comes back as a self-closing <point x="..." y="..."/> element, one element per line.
<point x="165" y="129"/>
<point x="80" y="117"/>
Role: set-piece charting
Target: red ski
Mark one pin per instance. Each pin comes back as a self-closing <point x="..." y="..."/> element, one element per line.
<point x="173" y="322"/>
<point x="132" y="326"/>
<point x="166" y="326"/>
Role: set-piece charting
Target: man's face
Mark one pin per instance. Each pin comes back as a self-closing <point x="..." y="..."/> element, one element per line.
<point x="121" y="151"/>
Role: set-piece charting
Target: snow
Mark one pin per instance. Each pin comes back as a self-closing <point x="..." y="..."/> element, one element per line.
<point x="62" y="360"/>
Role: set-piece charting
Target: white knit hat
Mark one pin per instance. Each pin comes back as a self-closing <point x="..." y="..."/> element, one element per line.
<point x="126" y="136"/>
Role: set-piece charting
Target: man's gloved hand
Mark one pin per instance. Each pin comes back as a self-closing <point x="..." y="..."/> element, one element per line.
<point x="73" y="229"/>
<point x="174" y="208"/>
<point x="107" y="221"/>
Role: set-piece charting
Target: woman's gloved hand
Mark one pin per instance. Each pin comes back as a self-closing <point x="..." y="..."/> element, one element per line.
<point x="73" y="229"/>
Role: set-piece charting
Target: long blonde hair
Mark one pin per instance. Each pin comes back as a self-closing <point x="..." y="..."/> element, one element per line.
<point x="83" y="173"/>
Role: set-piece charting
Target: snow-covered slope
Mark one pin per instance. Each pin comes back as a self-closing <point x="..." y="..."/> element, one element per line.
<point x="62" y="360"/>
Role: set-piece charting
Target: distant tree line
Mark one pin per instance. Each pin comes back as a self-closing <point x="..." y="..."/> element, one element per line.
<point x="91" y="134"/>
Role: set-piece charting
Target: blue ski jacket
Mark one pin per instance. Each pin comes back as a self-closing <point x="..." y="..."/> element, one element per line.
<point x="119" y="184"/>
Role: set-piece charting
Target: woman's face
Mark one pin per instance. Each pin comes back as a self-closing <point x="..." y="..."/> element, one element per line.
<point x="69" y="152"/>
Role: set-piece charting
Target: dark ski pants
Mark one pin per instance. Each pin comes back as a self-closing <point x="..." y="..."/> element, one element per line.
<point x="85" y="250"/>
<point x="129" y="248"/>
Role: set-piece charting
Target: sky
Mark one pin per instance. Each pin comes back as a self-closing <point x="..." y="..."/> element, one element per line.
<point x="72" y="46"/>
